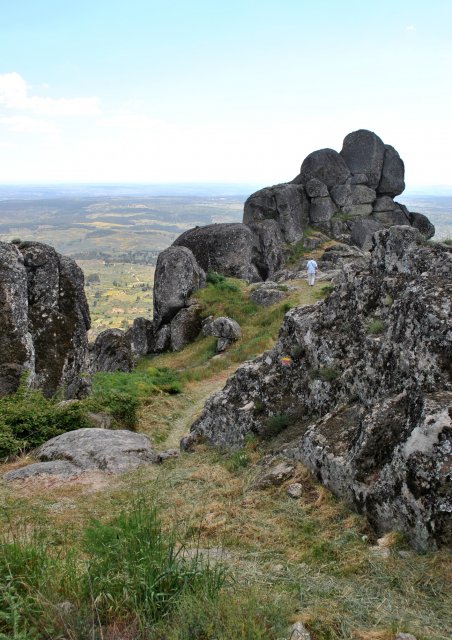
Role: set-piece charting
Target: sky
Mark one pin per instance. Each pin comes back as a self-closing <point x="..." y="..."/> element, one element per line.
<point x="152" y="91"/>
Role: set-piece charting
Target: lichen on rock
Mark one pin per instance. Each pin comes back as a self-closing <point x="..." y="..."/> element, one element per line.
<point x="363" y="381"/>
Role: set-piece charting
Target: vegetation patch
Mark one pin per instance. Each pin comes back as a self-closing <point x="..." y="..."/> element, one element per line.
<point x="297" y="251"/>
<point x="121" y="394"/>
<point x="326" y="374"/>
<point x="28" y="419"/>
<point x="275" y="424"/>
<point x="376" y="326"/>
<point x="221" y="282"/>
<point x="133" y="571"/>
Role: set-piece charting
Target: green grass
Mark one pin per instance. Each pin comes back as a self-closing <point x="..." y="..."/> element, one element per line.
<point x="259" y="325"/>
<point x="132" y="571"/>
<point x="297" y="251"/>
<point x="121" y="394"/>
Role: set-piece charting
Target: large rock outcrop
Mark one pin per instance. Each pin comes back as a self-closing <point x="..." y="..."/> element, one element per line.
<point x="364" y="380"/>
<point x="335" y="191"/>
<point x="285" y="203"/>
<point x="176" y="316"/>
<point x="229" y="249"/>
<point x="177" y="276"/>
<point x="44" y="318"/>
<point x="111" y="351"/>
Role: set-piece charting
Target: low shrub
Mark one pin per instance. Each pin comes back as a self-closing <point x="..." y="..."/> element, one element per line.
<point x="326" y="374"/>
<point x="220" y="282"/>
<point x="297" y="251"/>
<point x="326" y="290"/>
<point x="274" y="425"/>
<point x="375" y="326"/>
<point x="28" y="419"/>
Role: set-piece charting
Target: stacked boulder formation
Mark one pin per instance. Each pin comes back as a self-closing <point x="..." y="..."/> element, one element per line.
<point x="343" y="194"/>
<point x="44" y="318"/>
<point x="363" y="379"/>
<point x="348" y="195"/>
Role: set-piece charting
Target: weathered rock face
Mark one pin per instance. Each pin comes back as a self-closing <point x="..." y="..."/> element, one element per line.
<point x="229" y="249"/>
<point x="185" y="327"/>
<point x="285" y="203"/>
<point x="334" y="190"/>
<point x="111" y="351"/>
<point x="140" y="336"/>
<point x="177" y="276"/>
<point x="225" y="329"/>
<point x="326" y="165"/>
<point x="364" y="378"/>
<point x="265" y="296"/>
<point x="272" y="251"/>
<point x="392" y="181"/>
<point x="44" y="318"/>
<point x="362" y="232"/>
<point x="363" y="152"/>
<point x="76" y="452"/>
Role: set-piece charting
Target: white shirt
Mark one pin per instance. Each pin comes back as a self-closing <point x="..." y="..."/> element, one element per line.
<point x="311" y="266"/>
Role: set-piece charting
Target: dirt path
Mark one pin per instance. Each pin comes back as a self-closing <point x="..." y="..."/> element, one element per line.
<point x="198" y="396"/>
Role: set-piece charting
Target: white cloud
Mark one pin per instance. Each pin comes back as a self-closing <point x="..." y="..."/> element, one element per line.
<point x="410" y="27"/>
<point x="129" y="121"/>
<point x="15" y="94"/>
<point x="27" y="124"/>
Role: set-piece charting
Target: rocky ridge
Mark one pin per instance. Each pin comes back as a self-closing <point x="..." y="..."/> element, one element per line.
<point x="364" y="381"/>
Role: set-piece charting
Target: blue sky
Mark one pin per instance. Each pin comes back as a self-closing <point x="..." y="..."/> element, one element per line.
<point x="158" y="91"/>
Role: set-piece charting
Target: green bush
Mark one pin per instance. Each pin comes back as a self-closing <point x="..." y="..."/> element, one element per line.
<point x="326" y="290"/>
<point x="28" y="419"/>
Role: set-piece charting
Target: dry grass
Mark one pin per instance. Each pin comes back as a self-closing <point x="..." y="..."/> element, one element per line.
<point x="312" y="557"/>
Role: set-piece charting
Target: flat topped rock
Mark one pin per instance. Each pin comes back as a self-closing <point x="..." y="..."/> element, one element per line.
<point x="227" y="248"/>
<point x="82" y="450"/>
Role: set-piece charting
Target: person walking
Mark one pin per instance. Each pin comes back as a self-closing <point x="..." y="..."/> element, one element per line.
<point x="311" y="268"/>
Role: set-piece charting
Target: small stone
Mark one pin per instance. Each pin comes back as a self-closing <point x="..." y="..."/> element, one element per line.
<point x="294" y="490"/>
<point x="169" y="453"/>
<point x="405" y="636"/>
<point x="189" y="441"/>
<point x="65" y="608"/>
<point x="299" y="632"/>
<point x="380" y="553"/>
<point x="275" y="476"/>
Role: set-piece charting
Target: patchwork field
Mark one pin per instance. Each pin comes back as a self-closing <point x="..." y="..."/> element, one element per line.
<point x="117" y="293"/>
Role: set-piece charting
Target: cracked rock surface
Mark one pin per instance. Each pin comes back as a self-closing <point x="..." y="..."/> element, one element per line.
<point x="361" y="383"/>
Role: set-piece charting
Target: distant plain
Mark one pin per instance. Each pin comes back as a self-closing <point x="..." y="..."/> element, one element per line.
<point x="115" y="233"/>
